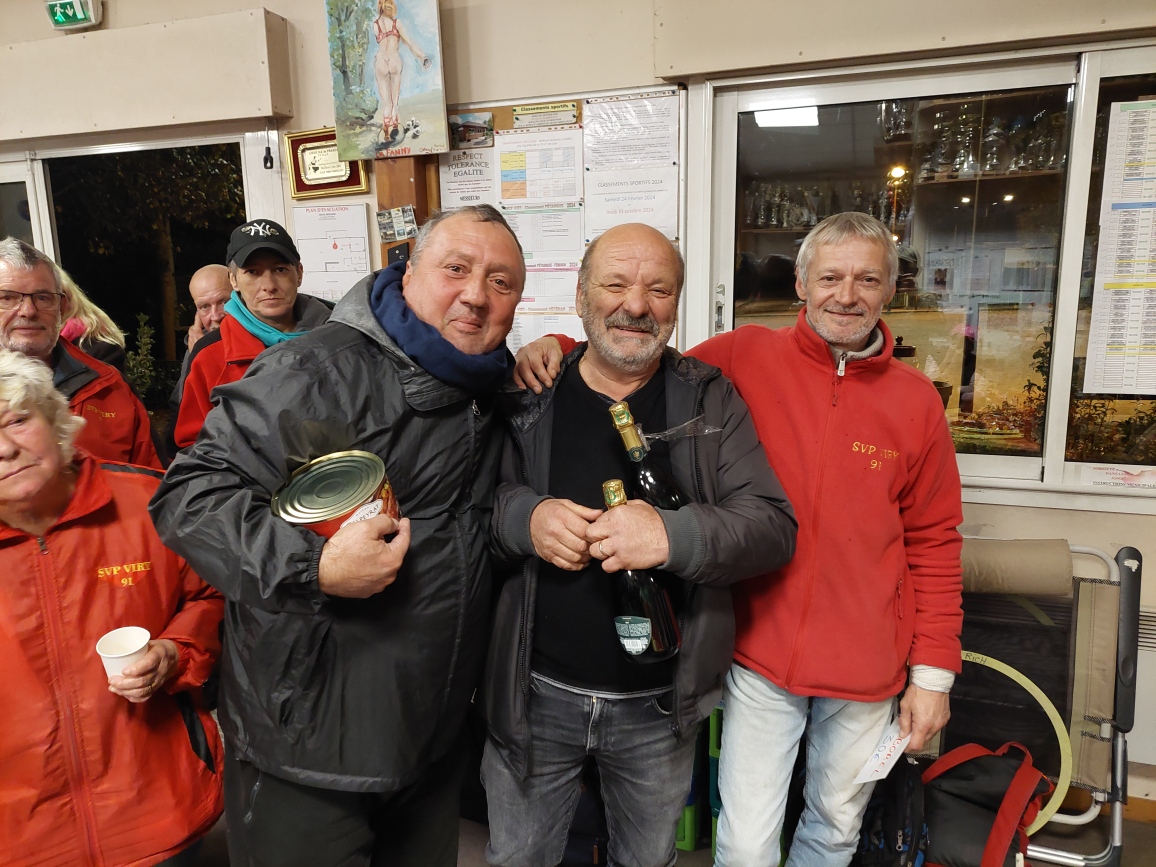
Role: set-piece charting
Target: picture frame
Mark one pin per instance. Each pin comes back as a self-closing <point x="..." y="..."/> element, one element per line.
<point x="315" y="170"/>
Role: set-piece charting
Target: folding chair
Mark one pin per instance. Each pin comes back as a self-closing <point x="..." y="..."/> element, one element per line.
<point x="1050" y="662"/>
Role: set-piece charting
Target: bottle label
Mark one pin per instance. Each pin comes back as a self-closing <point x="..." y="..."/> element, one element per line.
<point x="634" y="633"/>
<point x="636" y="454"/>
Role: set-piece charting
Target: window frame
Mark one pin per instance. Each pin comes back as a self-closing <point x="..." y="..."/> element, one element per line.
<point x="1046" y="480"/>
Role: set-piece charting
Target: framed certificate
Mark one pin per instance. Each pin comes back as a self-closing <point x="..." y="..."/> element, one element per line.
<point x="315" y="170"/>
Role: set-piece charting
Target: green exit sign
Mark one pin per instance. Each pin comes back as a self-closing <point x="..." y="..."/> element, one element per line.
<point x="74" y="14"/>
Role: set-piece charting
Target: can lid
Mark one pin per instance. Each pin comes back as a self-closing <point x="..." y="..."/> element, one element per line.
<point x="329" y="487"/>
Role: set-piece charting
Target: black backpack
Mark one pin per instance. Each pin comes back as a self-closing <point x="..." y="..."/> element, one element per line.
<point x="894" y="833"/>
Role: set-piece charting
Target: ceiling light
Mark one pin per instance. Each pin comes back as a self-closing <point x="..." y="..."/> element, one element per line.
<point x="966" y="199"/>
<point x="804" y="115"/>
<point x="1008" y="198"/>
<point x="895" y="238"/>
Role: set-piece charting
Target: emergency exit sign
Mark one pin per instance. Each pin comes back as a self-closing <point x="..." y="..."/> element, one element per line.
<point x="74" y="14"/>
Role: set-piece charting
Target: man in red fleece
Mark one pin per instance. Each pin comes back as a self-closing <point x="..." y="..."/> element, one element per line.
<point x="870" y="606"/>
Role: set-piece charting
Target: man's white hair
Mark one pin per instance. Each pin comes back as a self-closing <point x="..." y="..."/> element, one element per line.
<point x="26" y="386"/>
<point x="838" y="228"/>
<point x="24" y="257"/>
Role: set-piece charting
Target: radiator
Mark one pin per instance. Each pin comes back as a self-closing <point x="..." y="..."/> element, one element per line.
<point x="1142" y="740"/>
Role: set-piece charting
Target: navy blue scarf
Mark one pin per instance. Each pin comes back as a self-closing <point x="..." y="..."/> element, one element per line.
<point x="423" y="343"/>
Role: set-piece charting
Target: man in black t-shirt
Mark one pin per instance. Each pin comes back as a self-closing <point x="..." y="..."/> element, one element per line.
<point x="559" y="687"/>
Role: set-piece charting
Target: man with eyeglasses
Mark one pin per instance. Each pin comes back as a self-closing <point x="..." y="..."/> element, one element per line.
<point x="33" y="309"/>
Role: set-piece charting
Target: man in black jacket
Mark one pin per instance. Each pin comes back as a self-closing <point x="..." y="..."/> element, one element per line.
<point x="349" y="662"/>
<point x="559" y="687"/>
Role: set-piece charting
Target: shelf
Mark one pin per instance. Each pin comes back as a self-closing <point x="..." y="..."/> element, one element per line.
<point x="992" y="176"/>
<point x="1050" y="90"/>
<point x="801" y="230"/>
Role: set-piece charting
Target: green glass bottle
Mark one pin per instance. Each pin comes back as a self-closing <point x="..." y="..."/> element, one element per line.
<point x="645" y="622"/>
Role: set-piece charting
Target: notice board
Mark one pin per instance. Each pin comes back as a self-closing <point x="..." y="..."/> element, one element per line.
<point x="563" y="171"/>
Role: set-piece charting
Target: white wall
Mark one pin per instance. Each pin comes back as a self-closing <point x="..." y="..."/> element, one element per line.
<point x="692" y="37"/>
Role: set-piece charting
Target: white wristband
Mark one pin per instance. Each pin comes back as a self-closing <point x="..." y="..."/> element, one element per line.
<point x="931" y="678"/>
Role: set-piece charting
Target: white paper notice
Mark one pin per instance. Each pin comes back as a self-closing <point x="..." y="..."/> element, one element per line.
<point x="632" y="196"/>
<point x="469" y="177"/>
<point x="528" y="327"/>
<point x="539" y="166"/>
<point x="631" y="133"/>
<point x="888" y="752"/>
<point x="547" y="232"/>
<point x="1122" y="336"/>
<point x="334" y="244"/>
<point x="550" y="287"/>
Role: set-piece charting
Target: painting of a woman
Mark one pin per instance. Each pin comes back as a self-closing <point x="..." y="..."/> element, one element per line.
<point x="390" y="35"/>
<point x="388" y="89"/>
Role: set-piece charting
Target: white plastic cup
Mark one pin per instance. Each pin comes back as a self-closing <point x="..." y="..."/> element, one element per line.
<point x="122" y="647"/>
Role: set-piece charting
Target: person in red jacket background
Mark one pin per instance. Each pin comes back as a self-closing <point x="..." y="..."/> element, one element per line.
<point x="870" y="606"/>
<point x="265" y="309"/>
<point x="97" y="770"/>
<point x="33" y="309"/>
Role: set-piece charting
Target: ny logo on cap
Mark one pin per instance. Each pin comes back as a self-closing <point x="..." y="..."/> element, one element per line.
<point x="262" y="229"/>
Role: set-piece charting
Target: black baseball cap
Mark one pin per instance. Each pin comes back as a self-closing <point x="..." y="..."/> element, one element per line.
<point x="260" y="235"/>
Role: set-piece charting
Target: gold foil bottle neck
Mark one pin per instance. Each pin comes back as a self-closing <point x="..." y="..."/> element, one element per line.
<point x="620" y="412"/>
<point x="614" y="493"/>
<point x="624" y="423"/>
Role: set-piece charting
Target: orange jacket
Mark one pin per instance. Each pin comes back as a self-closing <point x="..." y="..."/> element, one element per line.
<point x="221" y="356"/>
<point x="867" y="461"/>
<point x="87" y="777"/>
<point x="116" y="424"/>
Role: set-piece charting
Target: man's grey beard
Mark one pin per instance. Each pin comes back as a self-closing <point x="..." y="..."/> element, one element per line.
<point x="597" y="332"/>
<point x="861" y="334"/>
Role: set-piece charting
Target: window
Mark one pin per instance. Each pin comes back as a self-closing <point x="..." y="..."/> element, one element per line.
<point x="989" y="171"/>
<point x="972" y="188"/>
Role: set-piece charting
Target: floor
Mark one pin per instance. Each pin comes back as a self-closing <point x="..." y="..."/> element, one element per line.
<point x="1139" y="845"/>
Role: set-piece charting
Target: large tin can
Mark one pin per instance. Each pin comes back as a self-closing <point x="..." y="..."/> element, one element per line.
<point x="334" y="490"/>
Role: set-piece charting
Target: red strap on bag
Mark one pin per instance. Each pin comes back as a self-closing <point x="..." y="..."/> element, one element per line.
<point x="957" y="757"/>
<point x="1011" y="811"/>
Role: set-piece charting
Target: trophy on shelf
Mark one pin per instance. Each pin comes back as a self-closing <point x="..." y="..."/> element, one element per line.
<point x="895" y="117"/>
<point x="994" y="147"/>
<point x="1057" y="154"/>
<point x="858" y="202"/>
<point x="965" y="164"/>
<point x="1018" y="142"/>
<point x="1038" y="142"/>
<point x="761" y="206"/>
<point x="814" y="205"/>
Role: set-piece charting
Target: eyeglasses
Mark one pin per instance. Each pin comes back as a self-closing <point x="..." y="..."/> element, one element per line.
<point x="41" y="300"/>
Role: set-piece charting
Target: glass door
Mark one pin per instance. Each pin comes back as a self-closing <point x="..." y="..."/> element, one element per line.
<point x="968" y="173"/>
<point x="23" y="211"/>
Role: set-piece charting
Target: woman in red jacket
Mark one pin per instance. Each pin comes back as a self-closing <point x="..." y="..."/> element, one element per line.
<point x="94" y="770"/>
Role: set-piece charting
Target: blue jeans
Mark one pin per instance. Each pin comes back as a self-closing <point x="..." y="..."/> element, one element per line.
<point x="762" y="725"/>
<point x="645" y="779"/>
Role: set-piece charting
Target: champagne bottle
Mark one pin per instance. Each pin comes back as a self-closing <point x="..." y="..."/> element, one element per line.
<point x="652" y="482"/>
<point x="645" y="622"/>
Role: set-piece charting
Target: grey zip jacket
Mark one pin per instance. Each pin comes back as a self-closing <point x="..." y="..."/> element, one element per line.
<point x="740" y="525"/>
<point x="349" y="694"/>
